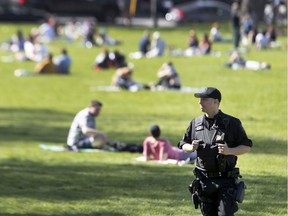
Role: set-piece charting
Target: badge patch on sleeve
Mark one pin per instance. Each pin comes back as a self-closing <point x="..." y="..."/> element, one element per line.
<point x="198" y="128"/>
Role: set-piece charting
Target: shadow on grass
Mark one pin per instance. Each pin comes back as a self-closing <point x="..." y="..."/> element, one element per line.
<point x="262" y="145"/>
<point x="96" y="213"/>
<point x="22" y="179"/>
<point x="41" y="125"/>
<point x="81" y="182"/>
<point x="44" y="125"/>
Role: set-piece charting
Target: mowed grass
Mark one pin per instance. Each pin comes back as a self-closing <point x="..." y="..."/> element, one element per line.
<point x="36" y="110"/>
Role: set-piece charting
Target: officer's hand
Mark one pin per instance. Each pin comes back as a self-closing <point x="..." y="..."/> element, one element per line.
<point x="195" y="144"/>
<point x="223" y="148"/>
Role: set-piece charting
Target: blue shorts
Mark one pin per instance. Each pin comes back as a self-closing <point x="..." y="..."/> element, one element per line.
<point x="192" y="155"/>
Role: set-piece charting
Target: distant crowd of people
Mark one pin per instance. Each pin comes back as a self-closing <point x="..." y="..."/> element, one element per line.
<point x="150" y="45"/>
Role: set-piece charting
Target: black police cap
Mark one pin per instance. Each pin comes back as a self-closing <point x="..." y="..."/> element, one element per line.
<point x="209" y="92"/>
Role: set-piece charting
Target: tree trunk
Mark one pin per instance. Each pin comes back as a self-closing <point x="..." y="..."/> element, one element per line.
<point x="154" y="13"/>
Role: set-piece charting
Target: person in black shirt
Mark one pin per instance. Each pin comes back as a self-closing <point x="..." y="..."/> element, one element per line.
<point x="218" y="139"/>
<point x="236" y="24"/>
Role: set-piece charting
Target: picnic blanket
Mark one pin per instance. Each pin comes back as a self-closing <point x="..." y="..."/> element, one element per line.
<point x="57" y="148"/>
<point x="112" y="146"/>
<point x="166" y="162"/>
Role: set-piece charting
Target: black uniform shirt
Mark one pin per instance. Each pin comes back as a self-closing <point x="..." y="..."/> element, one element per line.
<point x="231" y="130"/>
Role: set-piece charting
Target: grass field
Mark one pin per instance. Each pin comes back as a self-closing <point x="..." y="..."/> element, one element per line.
<point x="36" y="110"/>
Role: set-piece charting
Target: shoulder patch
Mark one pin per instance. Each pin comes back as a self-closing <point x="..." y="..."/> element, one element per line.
<point x="198" y="128"/>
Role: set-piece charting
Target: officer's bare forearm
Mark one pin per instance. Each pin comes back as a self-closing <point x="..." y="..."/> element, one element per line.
<point x="187" y="148"/>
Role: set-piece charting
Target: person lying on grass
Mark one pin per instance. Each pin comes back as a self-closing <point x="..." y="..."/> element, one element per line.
<point x="236" y="61"/>
<point x="156" y="148"/>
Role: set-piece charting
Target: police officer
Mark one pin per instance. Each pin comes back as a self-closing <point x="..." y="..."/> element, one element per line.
<point x="218" y="139"/>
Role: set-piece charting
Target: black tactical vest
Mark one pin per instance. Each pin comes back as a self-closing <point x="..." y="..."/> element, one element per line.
<point x="208" y="158"/>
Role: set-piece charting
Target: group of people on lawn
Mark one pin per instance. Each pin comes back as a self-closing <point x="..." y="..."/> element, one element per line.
<point x="213" y="141"/>
<point x="150" y="45"/>
<point x="84" y="134"/>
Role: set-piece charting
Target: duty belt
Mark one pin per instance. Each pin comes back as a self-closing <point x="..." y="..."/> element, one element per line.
<point x="229" y="174"/>
<point x="215" y="174"/>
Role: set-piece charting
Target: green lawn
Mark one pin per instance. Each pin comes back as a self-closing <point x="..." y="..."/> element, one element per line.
<point x="36" y="110"/>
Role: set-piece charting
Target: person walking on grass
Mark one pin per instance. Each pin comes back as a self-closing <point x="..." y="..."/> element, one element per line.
<point x="218" y="139"/>
<point x="83" y="133"/>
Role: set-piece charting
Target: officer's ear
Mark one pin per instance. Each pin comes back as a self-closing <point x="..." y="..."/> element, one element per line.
<point x="216" y="101"/>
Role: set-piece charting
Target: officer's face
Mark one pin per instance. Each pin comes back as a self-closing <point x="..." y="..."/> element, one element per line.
<point x="208" y="105"/>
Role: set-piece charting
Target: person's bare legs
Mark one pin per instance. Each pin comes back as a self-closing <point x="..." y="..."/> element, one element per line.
<point x="99" y="141"/>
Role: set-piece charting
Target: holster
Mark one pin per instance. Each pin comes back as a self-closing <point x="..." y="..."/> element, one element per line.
<point x="240" y="192"/>
<point x="195" y="199"/>
<point x="194" y="190"/>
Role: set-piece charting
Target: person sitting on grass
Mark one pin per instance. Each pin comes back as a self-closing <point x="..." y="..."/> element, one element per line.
<point x="144" y="46"/>
<point x="63" y="62"/>
<point x="83" y="133"/>
<point x="106" y="59"/>
<point x="46" y="66"/>
<point x="158" y="46"/>
<point x="215" y="34"/>
<point x="103" y="60"/>
<point x="156" y="148"/>
<point x="118" y="59"/>
<point x="205" y="45"/>
<point x="168" y="77"/>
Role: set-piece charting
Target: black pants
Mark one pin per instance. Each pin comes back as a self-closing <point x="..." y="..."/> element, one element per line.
<point x="217" y="197"/>
<point x="236" y="37"/>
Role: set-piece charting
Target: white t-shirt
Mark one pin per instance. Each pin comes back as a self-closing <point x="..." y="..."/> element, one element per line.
<point x="82" y="119"/>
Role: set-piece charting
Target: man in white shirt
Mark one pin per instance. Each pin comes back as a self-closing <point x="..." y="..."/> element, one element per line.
<point x="83" y="132"/>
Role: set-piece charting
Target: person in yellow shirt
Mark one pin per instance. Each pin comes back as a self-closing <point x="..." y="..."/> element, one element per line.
<point x="46" y="66"/>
